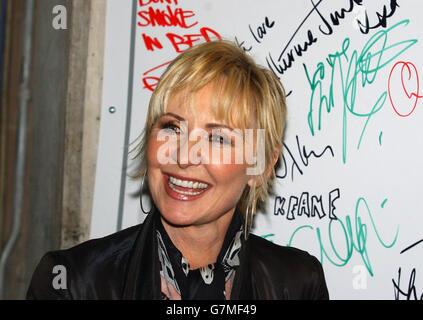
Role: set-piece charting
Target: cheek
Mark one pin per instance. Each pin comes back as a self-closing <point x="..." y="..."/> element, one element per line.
<point x="229" y="174"/>
<point x="161" y="152"/>
<point x="151" y="150"/>
<point x="153" y="146"/>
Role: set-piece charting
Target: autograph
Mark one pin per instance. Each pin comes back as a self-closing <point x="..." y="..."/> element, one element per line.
<point x="355" y="236"/>
<point x="411" y="291"/>
<point x="291" y="158"/>
<point x="376" y="54"/>
<point x="407" y="79"/>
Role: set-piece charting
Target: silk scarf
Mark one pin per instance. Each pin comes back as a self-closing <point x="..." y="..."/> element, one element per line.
<point x="205" y="283"/>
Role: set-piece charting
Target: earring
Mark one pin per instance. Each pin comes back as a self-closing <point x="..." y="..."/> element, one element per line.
<point x="248" y="222"/>
<point x="249" y="213"/>
<point x="142" y="187"/>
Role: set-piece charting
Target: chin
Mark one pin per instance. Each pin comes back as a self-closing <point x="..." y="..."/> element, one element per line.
<point x="177" y="217"/>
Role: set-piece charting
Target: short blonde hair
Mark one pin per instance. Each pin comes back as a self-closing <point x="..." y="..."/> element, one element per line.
<point x="245" y="92"/>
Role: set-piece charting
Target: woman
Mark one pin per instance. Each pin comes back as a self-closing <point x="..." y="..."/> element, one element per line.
<point x="213" y="135"/>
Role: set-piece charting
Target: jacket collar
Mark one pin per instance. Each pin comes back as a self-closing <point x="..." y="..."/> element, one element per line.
<point x="242" y="288"/>
<point x="142" y="279"/>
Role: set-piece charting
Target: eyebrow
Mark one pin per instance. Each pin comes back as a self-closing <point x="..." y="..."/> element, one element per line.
<point x="208" y="125"/>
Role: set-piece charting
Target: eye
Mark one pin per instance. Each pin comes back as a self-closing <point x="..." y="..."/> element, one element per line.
<point x="171" y="127"/>
<point x="220" y="139"/>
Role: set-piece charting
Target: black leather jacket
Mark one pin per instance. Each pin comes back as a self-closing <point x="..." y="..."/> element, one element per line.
<point x="125" y="265"/>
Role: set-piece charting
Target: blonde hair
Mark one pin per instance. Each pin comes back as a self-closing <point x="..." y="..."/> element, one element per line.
<point x="246" y="93"/>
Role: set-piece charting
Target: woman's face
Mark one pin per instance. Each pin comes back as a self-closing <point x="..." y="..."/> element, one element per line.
<point x="189" y="192"/>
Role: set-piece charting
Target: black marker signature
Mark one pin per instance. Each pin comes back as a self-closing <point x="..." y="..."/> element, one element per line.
<point x="411" y="291"/>
<point x="304" y="157"/>
<point x="289" y="53"/>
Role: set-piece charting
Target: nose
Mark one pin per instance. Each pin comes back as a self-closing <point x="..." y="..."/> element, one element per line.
<point x="193" y="150"/>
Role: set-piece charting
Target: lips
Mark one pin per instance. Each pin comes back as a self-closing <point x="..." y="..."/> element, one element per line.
<point x="185" y="178"/>
<point x="178" y="192"/>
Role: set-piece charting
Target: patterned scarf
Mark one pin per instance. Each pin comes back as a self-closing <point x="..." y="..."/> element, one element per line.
<point x="207" y="282"/>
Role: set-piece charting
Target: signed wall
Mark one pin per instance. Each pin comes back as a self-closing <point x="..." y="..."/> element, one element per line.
<point x="349" y="188"/>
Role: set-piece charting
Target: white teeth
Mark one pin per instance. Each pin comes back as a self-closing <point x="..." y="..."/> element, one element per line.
<point x="188" y="184"/>
<point x="171" y="185"/>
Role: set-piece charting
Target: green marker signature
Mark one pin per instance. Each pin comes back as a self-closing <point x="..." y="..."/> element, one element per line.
<point x="376" y="54"/>
<point x="268" y="236"/>
<point x="355" y="235"/>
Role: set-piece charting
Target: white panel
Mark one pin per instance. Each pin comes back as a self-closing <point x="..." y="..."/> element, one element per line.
<point x="380" y="207"/>
<point x="112" y="127"/>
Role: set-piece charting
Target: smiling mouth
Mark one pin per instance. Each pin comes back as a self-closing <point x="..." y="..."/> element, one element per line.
<point x="182" y="189"/>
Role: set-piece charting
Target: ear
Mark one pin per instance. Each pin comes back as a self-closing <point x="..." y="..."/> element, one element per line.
<point x="256" y="179"/>
<point x="276" y="155"/>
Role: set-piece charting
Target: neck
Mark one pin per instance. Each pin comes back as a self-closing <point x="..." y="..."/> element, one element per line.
<point x="200" y="244"/>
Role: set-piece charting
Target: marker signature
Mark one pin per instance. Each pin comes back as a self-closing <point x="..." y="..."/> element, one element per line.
<point x="409" y="81"/>
<point x="354" y="233"/>
<point x="375" y="55"/>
